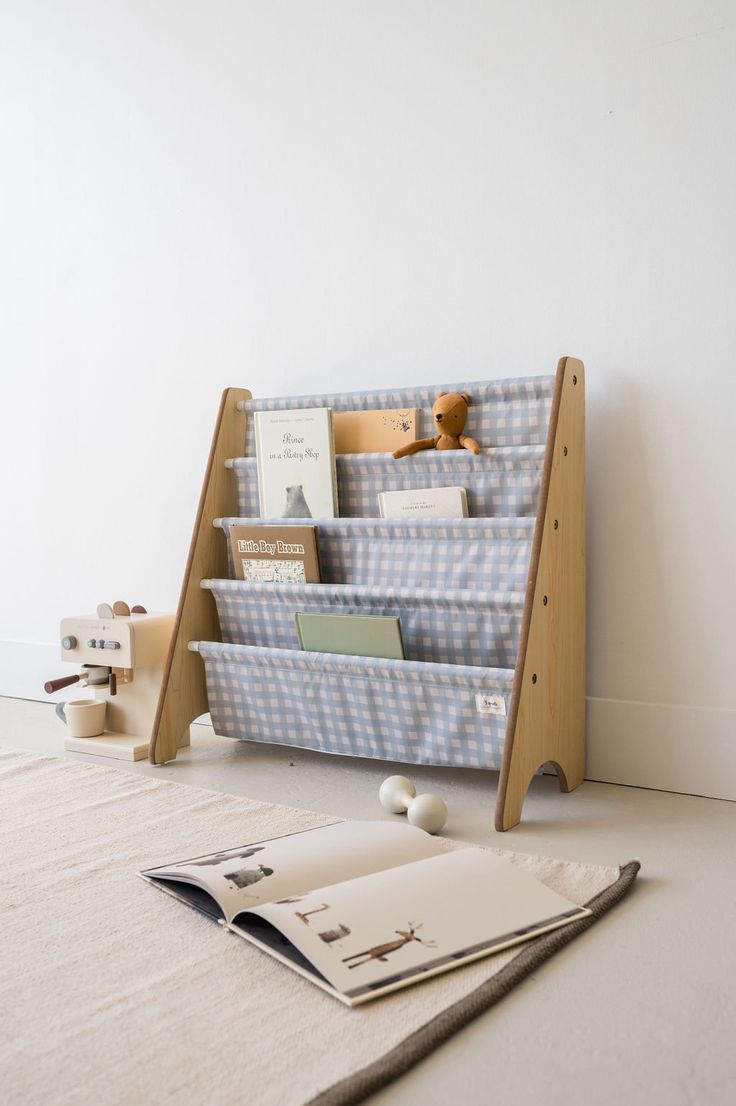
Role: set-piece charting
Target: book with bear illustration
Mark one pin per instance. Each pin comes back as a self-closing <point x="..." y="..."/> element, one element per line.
<point x="295" y="451"/>
<point x="365" y="908"/>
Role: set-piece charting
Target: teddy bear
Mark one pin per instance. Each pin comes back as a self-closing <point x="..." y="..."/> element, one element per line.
<point x="450" y="412"/>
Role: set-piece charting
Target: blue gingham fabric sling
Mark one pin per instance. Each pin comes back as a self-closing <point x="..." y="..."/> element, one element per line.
<point x="360" y="706"/>
<point x="477" y="554"/>
<point x="444" y="627"/>
<point x="500" y="482"/>
<point x="512" y="412"/>
<point x="457" y="585"/>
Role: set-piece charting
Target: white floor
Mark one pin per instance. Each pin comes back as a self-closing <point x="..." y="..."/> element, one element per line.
<point x="642" y="1009"/>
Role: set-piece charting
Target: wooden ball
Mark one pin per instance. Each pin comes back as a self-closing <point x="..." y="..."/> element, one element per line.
<point x="427" y="812"/>
<point x="396" y="793"/>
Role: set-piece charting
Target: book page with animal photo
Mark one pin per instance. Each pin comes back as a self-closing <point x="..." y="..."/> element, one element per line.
<point x="295" y="453"/>
<point x="284" y="868"/>
<point x="381" y="932"/>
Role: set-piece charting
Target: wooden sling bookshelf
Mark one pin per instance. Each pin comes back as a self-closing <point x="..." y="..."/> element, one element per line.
<point x="546" y="717"/>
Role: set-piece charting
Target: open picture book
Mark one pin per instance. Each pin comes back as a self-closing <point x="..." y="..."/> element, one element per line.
<point x="364" y="908"/>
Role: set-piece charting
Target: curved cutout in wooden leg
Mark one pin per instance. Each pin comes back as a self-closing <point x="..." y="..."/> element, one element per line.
<point x="547" y="713"/>
<point x="569" y="780"/>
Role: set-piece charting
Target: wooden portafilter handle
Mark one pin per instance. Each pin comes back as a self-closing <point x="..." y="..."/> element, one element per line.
<point x="56" y="685"/>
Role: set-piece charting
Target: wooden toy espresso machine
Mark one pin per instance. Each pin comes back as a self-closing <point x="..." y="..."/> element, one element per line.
<point x="121" y="654"/>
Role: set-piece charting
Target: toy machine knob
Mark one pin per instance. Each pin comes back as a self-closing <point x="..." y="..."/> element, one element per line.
<point x="69" y="642"/>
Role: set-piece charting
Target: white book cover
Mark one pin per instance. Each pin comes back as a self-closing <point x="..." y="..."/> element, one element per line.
<point x="433" y="502"/>
<point x="296" y="463"/>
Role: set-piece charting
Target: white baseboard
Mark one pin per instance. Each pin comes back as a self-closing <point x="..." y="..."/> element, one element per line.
<point x="691" y="750"/>
<point x="687" y="749"/>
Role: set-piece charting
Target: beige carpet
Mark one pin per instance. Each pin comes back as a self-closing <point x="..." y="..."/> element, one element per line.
<point x="113" y="993"/>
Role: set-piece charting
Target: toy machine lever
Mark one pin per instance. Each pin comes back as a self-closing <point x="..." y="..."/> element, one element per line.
<point x="56" y="685"/>
<point x="94" y="675"/>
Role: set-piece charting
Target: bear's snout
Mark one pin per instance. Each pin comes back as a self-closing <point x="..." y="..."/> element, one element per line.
<point x="438" y="418"/>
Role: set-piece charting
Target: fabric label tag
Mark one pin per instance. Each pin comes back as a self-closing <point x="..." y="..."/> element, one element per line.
<point x="490" y="704"/>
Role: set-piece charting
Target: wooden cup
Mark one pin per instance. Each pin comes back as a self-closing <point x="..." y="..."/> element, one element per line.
<point x="85" y="717"/>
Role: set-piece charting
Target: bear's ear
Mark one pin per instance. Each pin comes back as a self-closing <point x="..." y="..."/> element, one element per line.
<point x="466" y="398"/>
<point x="441" y="395"/>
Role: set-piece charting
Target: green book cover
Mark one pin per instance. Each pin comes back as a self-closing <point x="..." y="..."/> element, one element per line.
<point x="355" y="635"/>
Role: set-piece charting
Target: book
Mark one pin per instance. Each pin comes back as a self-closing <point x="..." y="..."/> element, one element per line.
<point x="380" y="431"/>
<point x="296" y="463"/>
<point x="365" y="908"/>
<point x="432" y="502"/>
<point x="282" y="554"/>
<point x="355" y="635"/>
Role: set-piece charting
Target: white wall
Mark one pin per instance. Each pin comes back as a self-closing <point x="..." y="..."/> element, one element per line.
<point x="294" y="195"/>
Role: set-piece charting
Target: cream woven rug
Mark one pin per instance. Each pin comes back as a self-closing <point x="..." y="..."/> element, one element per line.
<point x="112" y="993"/>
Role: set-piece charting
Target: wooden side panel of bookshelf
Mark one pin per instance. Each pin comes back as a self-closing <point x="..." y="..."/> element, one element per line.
<point x="183" y="694"/>
<point x="547" y="712"/>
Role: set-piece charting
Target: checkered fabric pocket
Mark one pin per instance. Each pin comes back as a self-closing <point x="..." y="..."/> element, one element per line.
<point x="477" y="554"/>
<point x="443" y="627"/>
<point x="359" y="706"/>
<point x="499" y="483"/>
<point x="509" y="412"/>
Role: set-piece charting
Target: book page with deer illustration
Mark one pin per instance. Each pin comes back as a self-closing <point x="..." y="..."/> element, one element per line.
<point x="387" y="928"/>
